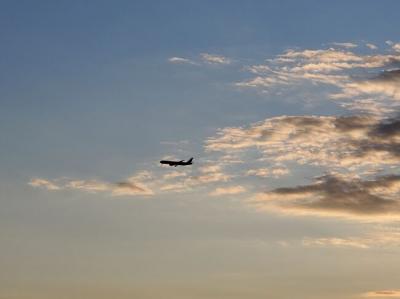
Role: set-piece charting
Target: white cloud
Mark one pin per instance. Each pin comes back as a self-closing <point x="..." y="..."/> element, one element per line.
<point x="345" y="45"/>
<point x="181" y="60"/>
<point x="371" y="46"/>
<point x="343" y="70"/>
<point x="215" y="59"/>
<point x="396" y="47"/>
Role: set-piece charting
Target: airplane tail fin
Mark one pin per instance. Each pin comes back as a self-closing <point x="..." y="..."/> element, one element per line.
<point x="190" y="160"/>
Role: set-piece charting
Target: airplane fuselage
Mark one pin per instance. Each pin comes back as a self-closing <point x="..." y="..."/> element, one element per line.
<point x="177" y="163"/>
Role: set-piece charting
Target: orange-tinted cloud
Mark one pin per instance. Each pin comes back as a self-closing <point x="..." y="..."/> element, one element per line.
<point x="383" y="294"/>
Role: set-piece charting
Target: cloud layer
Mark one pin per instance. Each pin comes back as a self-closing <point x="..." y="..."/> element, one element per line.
<point x="353" y="157"/>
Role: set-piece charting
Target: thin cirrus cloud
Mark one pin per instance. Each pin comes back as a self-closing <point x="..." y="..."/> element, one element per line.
<point x="382" y="294"/>
<point x="345" y="45"/>
<point x="181" y="60"/>
<point x="215" y="59"/>
<point x="275" y="172"/>
<point x="228" y="190"/>
<point x="206" y="58"/>
<point x="123" y="188"/>
<point x="357" y="243"/>
<point x="381" y="238"/>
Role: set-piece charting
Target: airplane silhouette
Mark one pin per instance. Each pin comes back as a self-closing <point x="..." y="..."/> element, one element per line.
<point x="177" y="163"/>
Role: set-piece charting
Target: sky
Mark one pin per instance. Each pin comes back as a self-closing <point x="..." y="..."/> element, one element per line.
<point x="289" y="108"/>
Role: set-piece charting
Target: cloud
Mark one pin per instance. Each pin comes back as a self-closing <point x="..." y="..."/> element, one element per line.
<point x="130" y="188"/>
<point x="265" y="172"/>
<point x="371" y="46"/>
<point x="215" y="59"/>
<point x="211" y="173"/>
<point x="261" y="172"/>
<point x="123" y="188"/>
<point x="396" y="47"/>
<point x="180" y="186"/>
<point x="209" y="178"/>
<point x="330" y="195"/>
<point x="342" y="70"/>
<point x="337" y="242"/>
<point x="344" y="143"/>
<point x="42" y="183"/>
<point x="91" y="186"/>
<point x="345" y="45"/>
<point x="205" y="57"/>
<point x="174" y="174"/>
<point x="378" y="238"/>
<point x="228" y="190"/>
<point x="382" y="294"/>
<point x="385" y="83"/>
<point x="180" y="60"/>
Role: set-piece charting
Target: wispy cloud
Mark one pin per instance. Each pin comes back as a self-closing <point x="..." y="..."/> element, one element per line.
<point x="382" y="294"/>
<point x="266" y="172"/>
<point x="342" y="69"/>
<point x="42" y="183"/>
<point x="228" y="190"/>
<point x="381" y="236"/>
<point x="337" y="242"/>
<point x="215" y="59"/>
<point x="345" y="45"/>
<point x="123" y="188"/>
<point x="174" y="174"/>
<point x="181" y="60"/>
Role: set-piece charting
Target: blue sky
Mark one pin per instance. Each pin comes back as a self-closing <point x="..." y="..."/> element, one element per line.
<point x="290" y="109"/>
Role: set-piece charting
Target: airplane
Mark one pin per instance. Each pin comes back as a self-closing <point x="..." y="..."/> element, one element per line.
<point x="177" y="163"/>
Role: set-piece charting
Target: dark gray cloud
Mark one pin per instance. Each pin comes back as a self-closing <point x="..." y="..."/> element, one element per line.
<point x="335" y="195"/>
